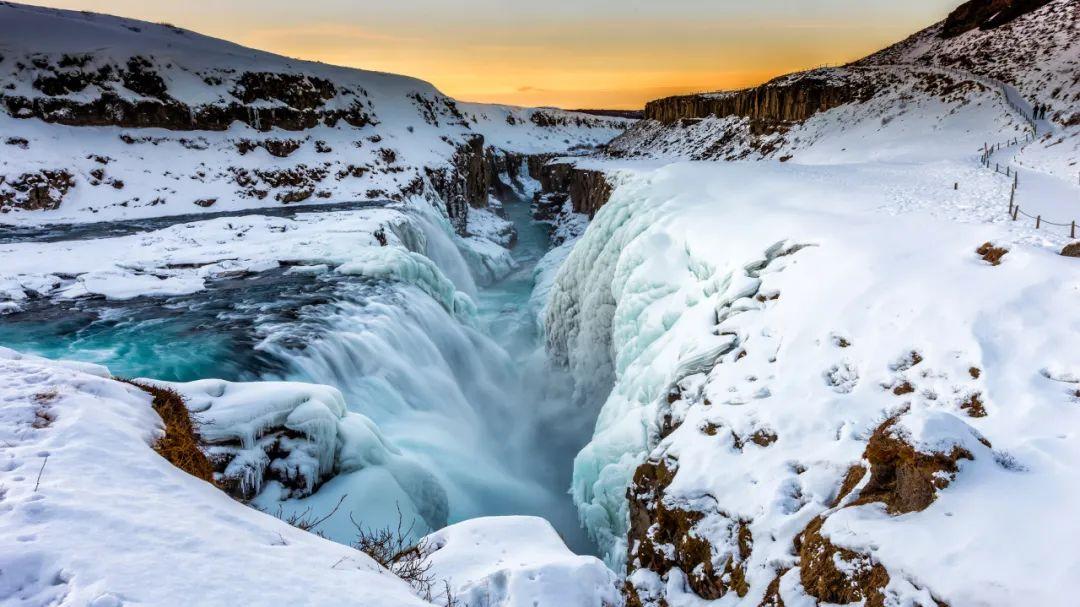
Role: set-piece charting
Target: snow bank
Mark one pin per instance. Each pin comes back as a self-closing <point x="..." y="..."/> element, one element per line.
<point x="518" y="561"/>
<point x="88" y="512"/>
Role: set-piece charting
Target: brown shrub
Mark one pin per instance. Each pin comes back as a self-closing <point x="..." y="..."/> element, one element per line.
<point x="180" y="444"/>
<point x="393" y="548"/>
<point x="974" y="405"/>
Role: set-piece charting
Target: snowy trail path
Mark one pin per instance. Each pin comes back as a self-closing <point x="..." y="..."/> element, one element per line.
<point x="1046" y="201"/>
<point x="1042" y="195"/>
<point x="1049" y="201"/>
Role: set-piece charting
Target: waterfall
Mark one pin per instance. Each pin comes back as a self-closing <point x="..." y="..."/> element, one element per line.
<point x="479" y="426"/>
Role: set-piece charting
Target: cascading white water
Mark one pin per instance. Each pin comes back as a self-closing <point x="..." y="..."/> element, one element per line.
<point x="476" y="420"/>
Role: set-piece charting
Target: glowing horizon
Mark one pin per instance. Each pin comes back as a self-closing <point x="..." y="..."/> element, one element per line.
<point x="612" y="54"/>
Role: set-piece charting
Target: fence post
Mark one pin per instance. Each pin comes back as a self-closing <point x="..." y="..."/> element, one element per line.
<point x="1038" y="222"/>
<point x="1016" y="210"/>
<point x="1072" y="232"/>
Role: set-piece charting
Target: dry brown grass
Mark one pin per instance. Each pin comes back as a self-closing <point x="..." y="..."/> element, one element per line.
<point x="904" y="388"/>
<point x="991" y="254"/>
<point x="974" y="405"/>
<point x="180" y="444"/>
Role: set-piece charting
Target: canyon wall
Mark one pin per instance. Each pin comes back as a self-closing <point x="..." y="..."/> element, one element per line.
<point x="586" y="189"/>
<point x="790" y="99"/>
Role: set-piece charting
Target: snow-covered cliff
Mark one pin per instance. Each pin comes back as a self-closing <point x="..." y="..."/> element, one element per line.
<point x="156" y="120"/>
<point x="840" y="371"/>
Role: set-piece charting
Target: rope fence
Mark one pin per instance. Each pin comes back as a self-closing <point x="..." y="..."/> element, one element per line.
<point x="1021" y="107"/>
<point x="1014" y="209"/>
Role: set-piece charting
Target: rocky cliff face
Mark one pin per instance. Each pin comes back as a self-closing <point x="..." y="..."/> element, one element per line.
<point x="784" y="100"/>
<point x="300" y="101"/>
<point x="587" y="190"/>
<point x="465" y="183"/>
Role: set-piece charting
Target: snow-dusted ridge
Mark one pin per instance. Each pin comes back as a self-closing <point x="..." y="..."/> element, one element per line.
<point x="156" y="120"/>
<point x="920" y="87"/>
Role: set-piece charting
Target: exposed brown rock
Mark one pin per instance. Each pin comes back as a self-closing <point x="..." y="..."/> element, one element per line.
<point x="296" y="90"/>
<point x="463" y="185"/>
<point x="854" y="475"/>
<point x="304" y="98"/>
<point x="904" y="388"/>
<point x="762" y="437"/>
<point x="43" y="190"/>
<point x="986" y="15"/>
<point x="862" y="580"/>
<point x="297" y="195"/>
<point x="662" y="537"/>
<point x="141" y="78"/>
<point x="281" y="148"/>
<point x="589" y="190"/>
<point x="904" y="479"/>
<point x="910" y="360"/>
<point x="1071" y="250"/>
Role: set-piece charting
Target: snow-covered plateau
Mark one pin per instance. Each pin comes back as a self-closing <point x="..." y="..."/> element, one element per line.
<point x="809" y="343"/>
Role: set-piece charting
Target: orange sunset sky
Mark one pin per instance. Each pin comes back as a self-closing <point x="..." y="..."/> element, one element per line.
<point x="573" y="54"/>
